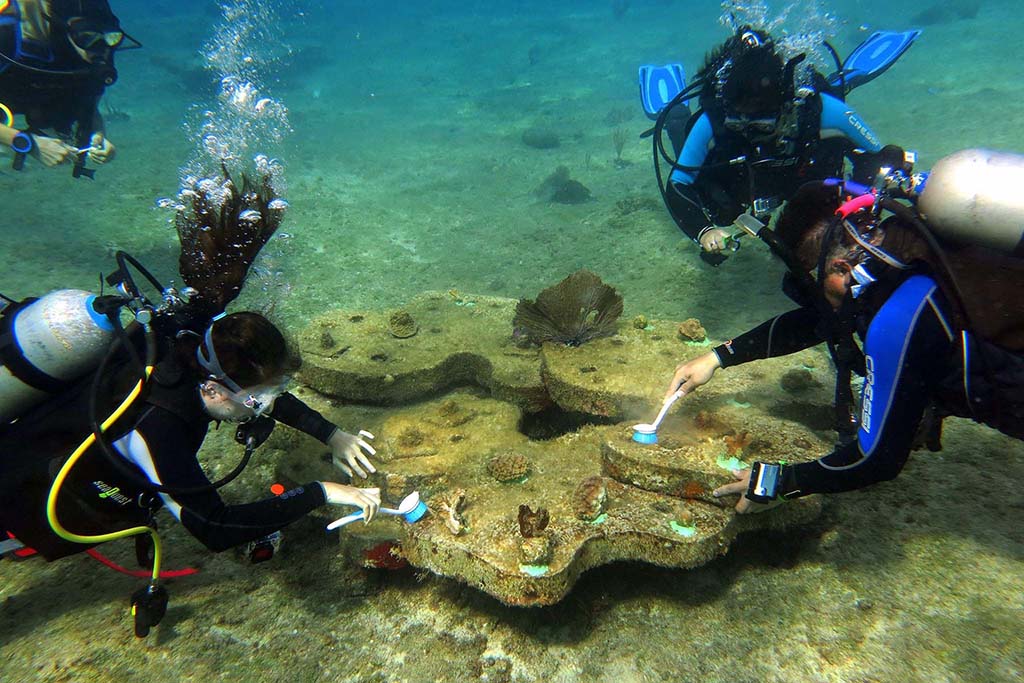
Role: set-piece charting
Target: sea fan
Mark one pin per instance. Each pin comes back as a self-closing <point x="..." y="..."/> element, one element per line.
<point x="576" y="310"/>
<point x="222" y="229"/>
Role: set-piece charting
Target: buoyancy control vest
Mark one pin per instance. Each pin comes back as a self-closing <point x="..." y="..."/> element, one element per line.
<point x="95" y="498"/>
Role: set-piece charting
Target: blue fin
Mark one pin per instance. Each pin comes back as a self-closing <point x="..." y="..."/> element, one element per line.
<point x="871" y="58"/>
<point x="658" y="85"/>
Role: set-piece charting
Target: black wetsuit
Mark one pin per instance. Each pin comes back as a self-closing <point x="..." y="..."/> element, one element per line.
<point x="59" y="103"/>
<point x="720" y="191"/>
<point x="162" y="443"/>
<point x="913" y="357"/>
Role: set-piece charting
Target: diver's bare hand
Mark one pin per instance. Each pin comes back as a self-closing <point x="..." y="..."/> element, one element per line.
<point x="714" y="240"/>
<point x="740" y="487"/>
<point x="51" y="151"/>
<point x="694" y="373"/>
<point x="367" y="500"/>
<point x="101" y="150"/>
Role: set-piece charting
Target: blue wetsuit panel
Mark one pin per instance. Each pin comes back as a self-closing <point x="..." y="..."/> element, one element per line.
<point x="907" y="350"/>
<point x="695" y="150"/>
<point x="837" y="118"/>
<point x="885" y="351"/>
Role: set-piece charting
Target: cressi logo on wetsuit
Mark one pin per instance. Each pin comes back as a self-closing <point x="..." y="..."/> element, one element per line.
<point x="858" y="124"/>
<point x="869" y="392"/>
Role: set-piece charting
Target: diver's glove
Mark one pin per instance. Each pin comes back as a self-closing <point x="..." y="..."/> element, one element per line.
<point x="367" y="500"/>
<point x="347" y="452"/>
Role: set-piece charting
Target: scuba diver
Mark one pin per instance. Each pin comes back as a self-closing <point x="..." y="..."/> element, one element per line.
<point x="56" y="61"/>
<point x="933" y="297"/>
<point x="101" y="423"/>
<point x="764" y="127"/>
<point x="235" y="372"/>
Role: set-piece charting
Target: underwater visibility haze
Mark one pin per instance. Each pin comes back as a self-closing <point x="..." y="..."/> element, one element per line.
<point x="450" y="209"/>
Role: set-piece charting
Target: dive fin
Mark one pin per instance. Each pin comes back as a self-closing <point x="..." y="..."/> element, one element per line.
<point x="871" y="58"/>
<point x="658" y="85"/>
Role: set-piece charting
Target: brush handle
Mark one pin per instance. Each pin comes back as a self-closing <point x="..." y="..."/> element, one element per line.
<point x="664" y="409"/>
<point x="356" y="516"/>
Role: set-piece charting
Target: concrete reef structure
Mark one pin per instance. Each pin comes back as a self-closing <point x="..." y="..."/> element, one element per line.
<point x="459" y="410"/>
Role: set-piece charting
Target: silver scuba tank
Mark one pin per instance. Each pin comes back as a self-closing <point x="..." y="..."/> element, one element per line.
<point x="55" y="340"/>
<point x="976" y="196"/>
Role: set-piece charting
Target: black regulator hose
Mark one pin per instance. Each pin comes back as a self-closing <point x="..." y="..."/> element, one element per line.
<point x="107" y="447"/>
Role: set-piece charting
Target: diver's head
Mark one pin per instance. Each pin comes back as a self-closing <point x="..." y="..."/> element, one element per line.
<point x="750" y="83"/>
<point x="845" y="251"/>
<point x="754" y="87"/>
<point x="245" y="362"/>
<point x="809" y="228"/>
<point x="92" y="31"/>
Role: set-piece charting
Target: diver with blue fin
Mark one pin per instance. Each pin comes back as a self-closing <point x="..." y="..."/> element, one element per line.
<point x="765" y="125"/>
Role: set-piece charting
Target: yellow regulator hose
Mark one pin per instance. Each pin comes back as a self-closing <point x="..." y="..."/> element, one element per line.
<point x="51" y="500"/>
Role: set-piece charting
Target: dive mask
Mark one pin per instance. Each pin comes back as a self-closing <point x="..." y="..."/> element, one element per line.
<point x="259" y="399"/>
<point x="740" y="123"/>
<point x="97" y="37"/>
<point x="87" y="35"/>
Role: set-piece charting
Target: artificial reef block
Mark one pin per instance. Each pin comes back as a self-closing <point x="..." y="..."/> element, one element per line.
<point x="607" y="498"/>
<point x="479" y="539"/>
<point x="460" y="340"/>
<point x="616" y="376"/>
<point x="626" y="376"/>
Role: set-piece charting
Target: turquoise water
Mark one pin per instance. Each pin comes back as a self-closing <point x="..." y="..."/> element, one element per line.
<point x="406" y="171"/>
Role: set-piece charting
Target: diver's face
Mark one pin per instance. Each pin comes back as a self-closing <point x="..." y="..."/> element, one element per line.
<point x="220" y="403"/>
<point x="836" y="284"/>
<point x="92" y="42"/>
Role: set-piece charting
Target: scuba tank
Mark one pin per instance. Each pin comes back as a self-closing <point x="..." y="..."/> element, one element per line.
<point x="974" y="197"/>
<point x="47" y="343"/>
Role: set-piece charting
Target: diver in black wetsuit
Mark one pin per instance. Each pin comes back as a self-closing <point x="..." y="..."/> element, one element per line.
<point x="878" y="281"/>
<point x="233" y="373"/>
<point x="785" y="133"/>
<point x="56" y="61"/>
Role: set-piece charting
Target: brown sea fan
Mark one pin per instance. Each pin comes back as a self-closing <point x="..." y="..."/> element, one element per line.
<point x="576" y="310"/>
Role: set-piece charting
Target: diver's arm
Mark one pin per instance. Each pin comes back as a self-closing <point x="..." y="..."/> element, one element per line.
<point x="906" y="349"/>
<point x="839" y="119"/>
<point x="684" y="202"/>
<point x="348" y="451"/>
<point x="164" y="446"/>
<point x="291" y="411"/>
<point x="784" y="334"/>
<point x="695" y="151"/>
<point x="687" y="210"/>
